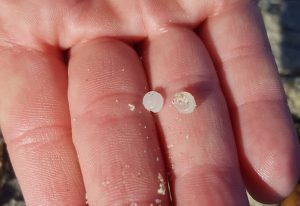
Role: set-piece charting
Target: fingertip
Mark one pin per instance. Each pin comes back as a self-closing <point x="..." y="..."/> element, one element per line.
<point x="274" y="182"/>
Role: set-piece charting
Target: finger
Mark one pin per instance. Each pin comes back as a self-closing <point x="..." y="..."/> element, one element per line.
<point x="200" y="145"/>
<point x="35" y="123"/>
<point x="266" y="140"/>
<point x="116" y="140"/>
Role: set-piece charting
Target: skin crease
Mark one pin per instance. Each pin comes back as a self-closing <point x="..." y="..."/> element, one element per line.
<point x="71" y="135"/>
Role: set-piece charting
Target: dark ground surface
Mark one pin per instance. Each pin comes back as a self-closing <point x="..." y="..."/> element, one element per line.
<point x="10" y="193"/>
<point x="282" y="18"/>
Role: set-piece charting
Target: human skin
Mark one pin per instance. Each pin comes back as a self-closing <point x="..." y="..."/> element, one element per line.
<point x="69" y="69"/>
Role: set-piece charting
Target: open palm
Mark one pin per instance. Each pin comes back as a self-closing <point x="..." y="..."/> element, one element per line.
<point x="69" y="69"/>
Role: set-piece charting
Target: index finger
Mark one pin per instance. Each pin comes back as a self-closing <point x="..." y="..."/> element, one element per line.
<point x="266" y="141"/>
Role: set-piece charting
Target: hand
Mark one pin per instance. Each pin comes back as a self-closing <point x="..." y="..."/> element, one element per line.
<point x="69" y="69"/>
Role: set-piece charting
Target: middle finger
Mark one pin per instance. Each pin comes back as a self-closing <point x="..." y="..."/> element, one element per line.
<point x="200" y="145"/>
<point x="115" y="138"/>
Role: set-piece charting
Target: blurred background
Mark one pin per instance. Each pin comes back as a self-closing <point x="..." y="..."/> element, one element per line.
<point x="282" y="19"/>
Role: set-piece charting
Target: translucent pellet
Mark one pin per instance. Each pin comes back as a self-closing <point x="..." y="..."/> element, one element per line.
<point x="184" y="102"/>
<point x="153" y="101"/>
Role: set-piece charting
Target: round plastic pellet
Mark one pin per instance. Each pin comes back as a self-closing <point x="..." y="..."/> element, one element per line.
<point x="184" y="102"/>
<point x="153" y="101"/>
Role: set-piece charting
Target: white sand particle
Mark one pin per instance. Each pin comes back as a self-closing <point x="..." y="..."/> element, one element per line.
<point x="157" y="201"/>
<point x="131" y="107"/>
<point x="105" y="183"/>
<point x="170" y="146"/>
<point x="162" y="185"/>
<point x="86" y="199"/>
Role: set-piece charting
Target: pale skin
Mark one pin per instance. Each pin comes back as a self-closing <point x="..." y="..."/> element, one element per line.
<point x="65" y="115"/>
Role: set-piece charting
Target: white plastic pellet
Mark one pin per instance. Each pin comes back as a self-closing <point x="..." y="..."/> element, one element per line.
<point x="184" y="102"/>
<point x="153" y="101"/>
